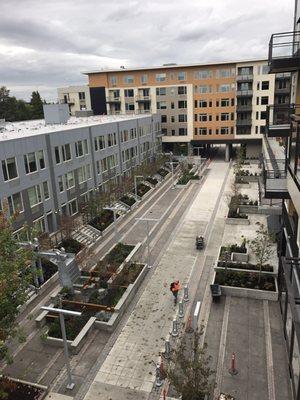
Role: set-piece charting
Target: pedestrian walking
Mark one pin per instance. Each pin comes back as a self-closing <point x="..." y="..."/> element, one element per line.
<point x="175" y="287"/>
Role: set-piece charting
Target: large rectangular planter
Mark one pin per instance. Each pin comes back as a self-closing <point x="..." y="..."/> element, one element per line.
<point x="249" y="293"/>
<point x="122" y="303"/>
<point x="43" y="388"/>
<point x="248" y="209"/>
<point x="249" y="178"/>
<point x="183" y="186"/>
<point x="237" y="221"/>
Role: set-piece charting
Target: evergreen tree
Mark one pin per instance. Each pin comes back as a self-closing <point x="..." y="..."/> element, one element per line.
<point x="36" y="106"/>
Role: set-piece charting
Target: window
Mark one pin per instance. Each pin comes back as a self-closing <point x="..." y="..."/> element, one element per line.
<point x="225" y="103"/>
<point x="99" y="143"/>
<point x="223" y="73"/>
<point x="30" y="163"/>
<point x="39" y="225"/>
<point x="84" y="173"/>
<point x="172" y="118"/>
<point x="160" y="77"/>
<point x="265" y="85"/>
<point x="113" y="80"/>
<point x="205" y="74"/>
<point x="196" y="131"/>
<point x="202" y="131"/>
<point x="181" y="89"/>
<point x="15" y="203"/>
<point x="81" y="95"/>
<point x="282" y="84"/>
<point x="111" y="139"/>
<point x="164" y="131"/>
<point x="40" y="159"/>
<point x="172" y="105"/>
<point x="81" y="148"/>
<point x="224" y="88"/>
<point x="204" y="89"/>
<point x="195" y="117"/>
<point x="72" y="205"/>
<point x="129" y="106"/>
<point x="161" y="91"/>
<point x="202" y="103"/>
<point x="182" y="118"/>
<point x="262" y="129"/>
<point x="163" y="118"/>
<point x="144" y="78"/>
<point x="34" y="195"/>
<point x="263" y="115"/>
<point x="173" y="132"/>
<point x="182" y="131"/>
<point x="9" y="169"/>
<point x="224" y="130"/>
<point x="265" y="69"/>
<point x="181" y="76"/>
<point x="60" y="183"/>
<point x="264" y="100"/>
<point x="203" y="117"/>
<point x="46" y="190"/>
<point x="182" y="104"/>
<point x="128" y="93"/>
<point x="57" y="155"/>
<point x="224" y="117"/>
<point x="66" y="152"/>
<point x="128" y="79"/>
<point x="161" y="105"/>
<point x="70" y="181"/>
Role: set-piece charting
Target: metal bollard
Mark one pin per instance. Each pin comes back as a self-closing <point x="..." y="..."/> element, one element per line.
<point x="158" y="380"/>
<point x="174" y="328"/>
<point x="186" y="293"/>
<point x="232" y="369"/>
<point x="167" y="353"/>
<point x="181" y="311"/>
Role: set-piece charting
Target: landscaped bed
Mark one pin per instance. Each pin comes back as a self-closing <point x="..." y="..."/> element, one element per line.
<point x="18" y="390"/>
<point x="186" y="177"/>
<point x="71" y="245"/>
<point x="162" y="172"/>
<point x="142" y="189"/>
<point x="232" y="248"/>
<point x="73" y="325"/>
<point x="249" y="266"/>
<point x="151" y="180"/>
<point x="103" y="220"/>
<point x="49" y="268"/>
<point x="246" y="280"/>
<point x="128" y="200"/>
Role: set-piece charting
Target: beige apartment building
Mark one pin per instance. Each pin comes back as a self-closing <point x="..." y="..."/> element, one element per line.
<point x="200" y="104"/>
<point x="77" y="98"/>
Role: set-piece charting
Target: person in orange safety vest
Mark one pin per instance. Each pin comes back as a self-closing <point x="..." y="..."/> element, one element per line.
<point x="175" y="287"/>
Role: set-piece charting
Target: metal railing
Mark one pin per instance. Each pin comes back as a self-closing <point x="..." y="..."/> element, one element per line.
<point x="243" y="107"/>
<point x="279" y="117"/>
<point x="243" y="122"/>
<point x="245" y="77"/>
<point x="244" y="92"/>
<point x="113" y="99"/>
<point x="141" y="97"/>
<point x="284" y="51"/>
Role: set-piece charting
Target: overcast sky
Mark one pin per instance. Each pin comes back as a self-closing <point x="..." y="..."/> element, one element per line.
<point x="45" y="45"/>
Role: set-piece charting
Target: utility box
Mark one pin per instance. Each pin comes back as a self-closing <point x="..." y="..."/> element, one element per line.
<point x="56" y="113"/>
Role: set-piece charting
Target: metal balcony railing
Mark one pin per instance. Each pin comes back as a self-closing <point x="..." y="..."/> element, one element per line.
<point x="244" y="78"/>
<point x="142" y="98"/>
<point x="243" y="107"/>
<point x="243" y="122"/>
<point x="275" y="180"/>
<point x="278" y="119"/>
<point x="284" y="52"/>
<point x="113" y="99"/>
<point x="244" y="92"/>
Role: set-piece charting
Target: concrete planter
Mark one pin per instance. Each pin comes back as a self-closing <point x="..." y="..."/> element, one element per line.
<point x="122" y="303"/>
<point x="183" y="186"/>
<point x="248" y="209"/>
<point x="249" y="293"/>
<point x="75" y="345"/>
<point x="249" y="178"/>
<point x="242" y="185"/>
<point x="33" y="385"/>
<point x="237" y="221"/>
<point x="238" y="257"/>
<point x="245" y="270"/>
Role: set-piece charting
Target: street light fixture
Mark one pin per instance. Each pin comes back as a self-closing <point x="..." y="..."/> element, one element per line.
<point x="62" y="313"/>
<point x="147" y="220"/>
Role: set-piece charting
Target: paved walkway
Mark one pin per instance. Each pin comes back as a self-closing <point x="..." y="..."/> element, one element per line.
<point x="129" y="364"/>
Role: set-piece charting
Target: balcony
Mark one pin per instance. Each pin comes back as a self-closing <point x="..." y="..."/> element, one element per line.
<point x="244" y="78"/>
<point x="275" y="180"/>
<point x="286" y="90"/>
<point x="113" y="99"/>
<point x="244" y="122"/>
<point x="142" y="111"/>
<point x="244" y="93"/>
<point x="278" y="120"/>
<point x="244" y="108"/>
<point x="143" y="99"/>
<point x="284" y="52"/>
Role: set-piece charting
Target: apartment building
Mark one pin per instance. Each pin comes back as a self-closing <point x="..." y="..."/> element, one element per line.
<point x="48" y="170"/>
<point x="200" y="104"/>
<point x="282" y="180"/>
<point x="77" y="97"/>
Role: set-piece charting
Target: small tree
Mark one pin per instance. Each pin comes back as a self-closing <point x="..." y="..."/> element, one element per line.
<point x="188" y="370"/>
<point x="15" y="277"/>
<point x="240" y="158"/>
<point x="262" y="246"/>
<point x="68" y="224"/>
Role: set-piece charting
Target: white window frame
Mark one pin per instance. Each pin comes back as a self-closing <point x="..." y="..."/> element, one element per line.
<point x="4" y="163"/>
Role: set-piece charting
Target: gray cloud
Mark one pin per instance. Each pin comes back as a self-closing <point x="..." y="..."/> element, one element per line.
<point x="48" y="45"/>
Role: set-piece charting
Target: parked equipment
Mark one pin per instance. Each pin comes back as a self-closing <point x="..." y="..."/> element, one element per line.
<point x="215" y="291"/>
<point x="199" y="242"/>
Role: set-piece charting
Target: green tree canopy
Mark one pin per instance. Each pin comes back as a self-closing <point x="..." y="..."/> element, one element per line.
<point x="36" y="103"/>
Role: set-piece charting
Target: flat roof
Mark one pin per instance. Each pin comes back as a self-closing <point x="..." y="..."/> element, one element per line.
<point x="18" y="130"/>
<point x="172" y="65"/>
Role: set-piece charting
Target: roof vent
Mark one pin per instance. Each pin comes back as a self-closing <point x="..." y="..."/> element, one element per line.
<point x="56" y="113"/>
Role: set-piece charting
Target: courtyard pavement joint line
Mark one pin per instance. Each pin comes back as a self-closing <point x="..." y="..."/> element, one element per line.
<point x="220" y="367"/>
<point x="269" y="353"/>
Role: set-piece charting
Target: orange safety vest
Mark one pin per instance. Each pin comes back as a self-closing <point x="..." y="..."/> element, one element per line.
<point x="176" y="287"/>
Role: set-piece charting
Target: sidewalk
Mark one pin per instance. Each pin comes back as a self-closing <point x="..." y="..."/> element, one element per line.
<point x="128" y="372"/>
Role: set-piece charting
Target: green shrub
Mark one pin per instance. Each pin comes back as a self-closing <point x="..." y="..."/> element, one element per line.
<point x="71" y="245"/>
<point x="245" y="279"/>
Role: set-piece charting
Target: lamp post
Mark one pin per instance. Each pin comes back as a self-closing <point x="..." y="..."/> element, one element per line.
<point x="147" y="220"/>
<point x="135" y="182"/>
<point x="62" y="313"/>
